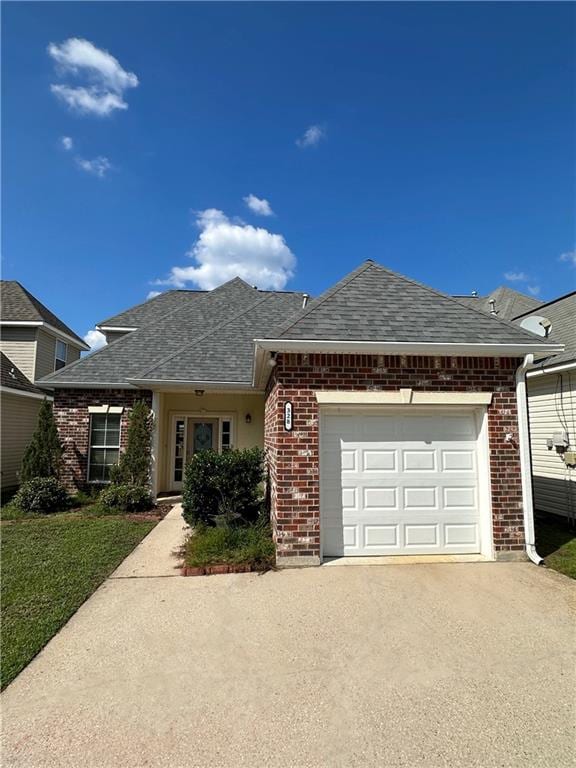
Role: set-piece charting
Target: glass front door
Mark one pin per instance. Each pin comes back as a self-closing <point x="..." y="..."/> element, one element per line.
<point x="202" y="436"/>
<point x="191" y="434"/>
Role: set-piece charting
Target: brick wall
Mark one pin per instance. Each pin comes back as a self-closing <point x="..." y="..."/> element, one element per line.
<point x="73" y="421"/>
<point x="293" y="459"/>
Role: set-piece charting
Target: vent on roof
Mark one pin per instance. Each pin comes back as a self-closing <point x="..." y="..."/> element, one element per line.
<point x="537" y="324"/>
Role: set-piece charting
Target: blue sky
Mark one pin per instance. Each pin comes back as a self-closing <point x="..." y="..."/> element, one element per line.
<point x="437" y="139"/>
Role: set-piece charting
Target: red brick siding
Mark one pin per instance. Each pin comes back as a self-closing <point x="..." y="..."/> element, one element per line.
<point x="293" y="459"/>
<point x="73" y="421"/>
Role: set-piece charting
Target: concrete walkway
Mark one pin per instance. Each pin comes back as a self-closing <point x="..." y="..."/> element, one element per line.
<point x="158" y="553"/>
<point x="403" y="666"/>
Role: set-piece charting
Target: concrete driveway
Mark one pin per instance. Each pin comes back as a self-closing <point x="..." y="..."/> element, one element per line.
<point x="421" y="665"/>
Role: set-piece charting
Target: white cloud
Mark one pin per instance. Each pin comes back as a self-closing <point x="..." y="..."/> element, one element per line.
<point x="153" y="294"/>
<point x="106" y="80"/>
<point x="258" y="205"/>
<point x="67" y="143"/>
<point x="226" y="249"/>
<point x="516" y="277"/>
<point x="95" y="340"/>
<point x="311" y="136"/>
<point x="570" y="257"/>
<point x="533" y="289"/>
<point x="99" y="166"/>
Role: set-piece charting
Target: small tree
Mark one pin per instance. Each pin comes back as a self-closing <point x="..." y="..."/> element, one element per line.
<point x="134" y="465"/>
<point x="43" y="457"/>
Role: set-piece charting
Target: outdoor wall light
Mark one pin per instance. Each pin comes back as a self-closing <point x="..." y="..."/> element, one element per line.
<point x="198" y="392"/>
<point x="248" y="419"/>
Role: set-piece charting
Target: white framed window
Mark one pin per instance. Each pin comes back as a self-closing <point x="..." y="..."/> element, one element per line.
<point x="61" y="355"/>
<point x="104" y="446"/>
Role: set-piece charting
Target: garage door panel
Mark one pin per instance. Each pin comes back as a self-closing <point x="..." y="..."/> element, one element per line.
<point x="400" y="484"/>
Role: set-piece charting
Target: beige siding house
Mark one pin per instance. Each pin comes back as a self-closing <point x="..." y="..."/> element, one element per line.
<point x="33" y="343"/>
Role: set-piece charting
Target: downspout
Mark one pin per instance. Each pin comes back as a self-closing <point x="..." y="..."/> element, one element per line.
<point x="525" y="462"/>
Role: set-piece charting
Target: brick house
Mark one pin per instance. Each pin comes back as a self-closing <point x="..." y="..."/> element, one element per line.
<point x="393" y="416"/>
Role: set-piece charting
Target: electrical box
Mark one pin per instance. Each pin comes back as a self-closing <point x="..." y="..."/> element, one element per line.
<point x="560" y="440"/>
<point x="569" y="458"/>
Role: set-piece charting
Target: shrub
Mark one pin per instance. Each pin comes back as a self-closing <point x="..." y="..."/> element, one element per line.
<point x="134" y="465"/>
<point x="224" y="486"/>
<point x="42" y="495"/>
<point x="251" y="544"/>
<point x="126" y="498"/>
<point x="43" y="456"/>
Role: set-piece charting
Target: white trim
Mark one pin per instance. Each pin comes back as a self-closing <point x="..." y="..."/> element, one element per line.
<point x="187" y="384"/>
<point x="403" y="397"/>
<point x="22" y="393"/>
<point x="119" y="328"/>
<point x="51" y="328"/>
<point x="78" y="385"/>
<point x="544" y="369"/>
<point x="453" y="349"/>
<point x="112" y="409"/>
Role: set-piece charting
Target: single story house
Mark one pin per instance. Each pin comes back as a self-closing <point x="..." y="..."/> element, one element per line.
<point x="33" y="343"/>
<point x="393" y="416"/>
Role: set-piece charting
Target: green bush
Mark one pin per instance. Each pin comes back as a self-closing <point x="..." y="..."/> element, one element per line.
<point x="251" y="544"/>
<point x="42" y="495"/>
<point x="224" y="486"/>
<point x="43" y="456"/>
<point x="134" y="465"/>
<point x="126" y="498"/>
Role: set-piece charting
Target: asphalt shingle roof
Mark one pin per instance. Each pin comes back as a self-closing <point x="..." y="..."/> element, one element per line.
<point x="164" y="343"/>
<point x="152" y="310"/>
<point x="374" y="304"/>
<point x="562" y="314"/>
<point x="508" y="303"/>
<point x="12" y="377"/>
<point x="18" y="304"/>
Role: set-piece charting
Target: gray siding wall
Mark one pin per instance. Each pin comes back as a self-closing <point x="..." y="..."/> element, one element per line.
<point x="552" y="408"/>
<point x="19" y="345"/>
<point x="46" y="353"/>
<point x="18" y="416"/>
<point x="112" y="336"/>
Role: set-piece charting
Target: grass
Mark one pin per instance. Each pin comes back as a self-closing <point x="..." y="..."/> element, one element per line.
<point x="50" y="566"/>
<point x="556" y="543"/>
<point x="249" y="545"/>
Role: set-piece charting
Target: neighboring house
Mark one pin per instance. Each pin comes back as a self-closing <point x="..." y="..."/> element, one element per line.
<point x="552" y="409"/>
<point x="389" y="411"/>
<point x="33" y="343"/>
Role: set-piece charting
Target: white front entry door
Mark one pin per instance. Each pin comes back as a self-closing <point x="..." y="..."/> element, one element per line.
<point x="399" y="484"/>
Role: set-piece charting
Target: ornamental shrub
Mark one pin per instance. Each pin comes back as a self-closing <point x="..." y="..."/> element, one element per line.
<point x="126" y="498"/>
<point x="224" y="487"/>
<point x="41" y="495"/>
<point x="134" y="465"/>
<point x="43" y="456"/>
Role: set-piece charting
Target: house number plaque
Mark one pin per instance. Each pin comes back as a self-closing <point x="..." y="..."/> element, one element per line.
<point x="288" y="416"/>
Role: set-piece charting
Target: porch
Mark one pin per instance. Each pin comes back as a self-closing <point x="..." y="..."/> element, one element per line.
<point x="199" y="420"/>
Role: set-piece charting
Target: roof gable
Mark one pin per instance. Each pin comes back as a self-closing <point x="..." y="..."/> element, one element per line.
<point x="19" y="305"/>
<point x="375" y="304"/>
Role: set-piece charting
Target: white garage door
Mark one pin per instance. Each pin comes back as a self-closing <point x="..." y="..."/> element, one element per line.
<point x="395" y="484"/>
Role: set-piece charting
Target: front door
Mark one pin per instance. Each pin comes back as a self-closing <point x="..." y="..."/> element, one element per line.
<point x="202" y="436"/>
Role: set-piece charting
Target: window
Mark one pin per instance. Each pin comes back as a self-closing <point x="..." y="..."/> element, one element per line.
<point x="104" y="446"/>
<point x="61" y="350"/>
<point x="226" y="435"/>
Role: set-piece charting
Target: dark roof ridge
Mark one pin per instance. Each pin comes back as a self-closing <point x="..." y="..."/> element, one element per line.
<point x="544" y="305"/>
<point x="315" y="303"/>
<point x="198" y="339"/>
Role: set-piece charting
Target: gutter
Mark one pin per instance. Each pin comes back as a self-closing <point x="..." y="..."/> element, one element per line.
<point x="525" y="462"/>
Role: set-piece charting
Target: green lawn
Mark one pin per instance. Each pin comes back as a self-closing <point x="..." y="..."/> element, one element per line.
<point x="50" y="566"/>
<point x="556" y="543"/>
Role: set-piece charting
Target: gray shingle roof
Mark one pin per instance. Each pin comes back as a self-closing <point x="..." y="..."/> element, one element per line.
<point x="165" y="344"/>
<point x="374" y="304"/>
<point x="18" y="304"/>
<point x="152" y="310"/>
<point x="562" y="314"/>
<point x="508" y="303"/>
<point x="12" y="377"/>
